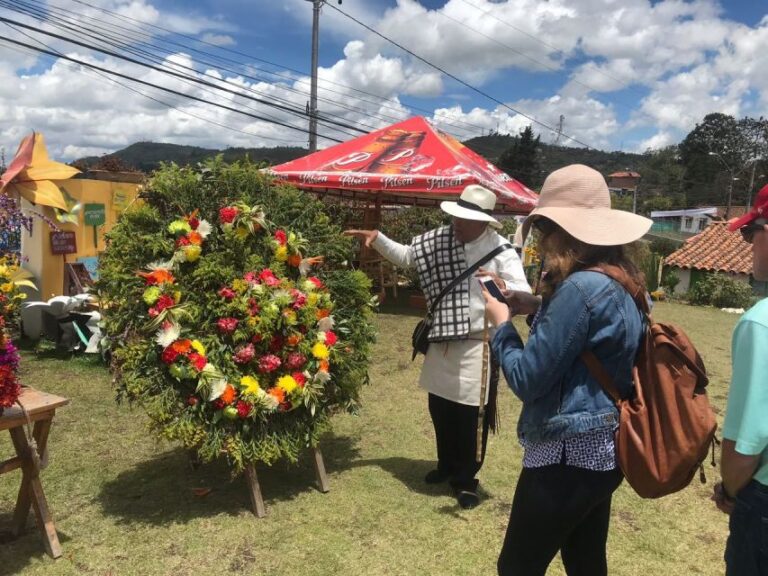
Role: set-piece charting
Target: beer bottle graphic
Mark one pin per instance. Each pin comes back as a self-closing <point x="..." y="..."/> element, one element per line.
<point x="360" y="160"/>
<point x="399" y="154"/>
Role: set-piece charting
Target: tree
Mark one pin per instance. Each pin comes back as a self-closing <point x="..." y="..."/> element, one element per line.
<point x="521" y="159"/>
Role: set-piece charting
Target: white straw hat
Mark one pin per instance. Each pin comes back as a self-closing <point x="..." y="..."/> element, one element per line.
<point x="475" y="203"/>
<point x="577" y="199"/>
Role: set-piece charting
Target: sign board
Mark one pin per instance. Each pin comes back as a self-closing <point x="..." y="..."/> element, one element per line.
<point x="121" y="198"/>
<point x="63" y="243"/>
<point x="95" y="214"/>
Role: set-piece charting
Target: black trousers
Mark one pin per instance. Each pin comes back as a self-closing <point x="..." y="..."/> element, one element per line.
<point x="456" y="435"/>
<point x="561" y="508"/>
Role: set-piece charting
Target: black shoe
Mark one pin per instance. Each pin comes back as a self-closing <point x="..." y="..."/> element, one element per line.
<point x="466" y="499"/>
<point x="436" y="477"/>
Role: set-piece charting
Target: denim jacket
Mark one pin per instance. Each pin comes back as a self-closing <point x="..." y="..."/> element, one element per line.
<point x="560" y="397"/>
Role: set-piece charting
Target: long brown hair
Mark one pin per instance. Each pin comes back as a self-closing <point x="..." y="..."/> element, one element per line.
<point x="563" y="255"/>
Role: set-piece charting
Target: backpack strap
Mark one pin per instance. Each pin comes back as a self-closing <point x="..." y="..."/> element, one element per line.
<point x="600" y="374"/>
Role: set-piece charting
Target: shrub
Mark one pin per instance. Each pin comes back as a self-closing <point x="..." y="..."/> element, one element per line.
<point x="721" y="291"/>
<point x="669" y="280"/>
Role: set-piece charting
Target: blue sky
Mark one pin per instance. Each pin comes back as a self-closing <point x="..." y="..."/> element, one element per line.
<point x="623" y="74"/>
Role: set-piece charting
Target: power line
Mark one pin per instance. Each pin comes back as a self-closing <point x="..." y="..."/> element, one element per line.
<point x="170" y="106"/>
<point x="453" y="76"/>
<point x="156" y="86"/>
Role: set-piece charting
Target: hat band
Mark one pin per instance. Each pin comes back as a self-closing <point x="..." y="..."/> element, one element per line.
<point x="471" y="206"/>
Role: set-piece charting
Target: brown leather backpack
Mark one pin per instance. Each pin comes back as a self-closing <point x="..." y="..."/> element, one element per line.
<point x="667" y="427"/>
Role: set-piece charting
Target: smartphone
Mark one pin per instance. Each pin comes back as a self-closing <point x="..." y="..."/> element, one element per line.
<point x="490" y="285"/>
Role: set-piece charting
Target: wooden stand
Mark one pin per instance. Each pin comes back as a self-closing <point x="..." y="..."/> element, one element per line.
<point x="254" y="490"/>
<point x="40" y="408"/>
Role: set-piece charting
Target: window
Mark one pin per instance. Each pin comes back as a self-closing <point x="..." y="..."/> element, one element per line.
<point x="702" y="224"/>
<point x="688" y="223"/>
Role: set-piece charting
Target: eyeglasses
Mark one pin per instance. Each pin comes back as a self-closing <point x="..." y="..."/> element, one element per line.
<point x="748" y="231"/>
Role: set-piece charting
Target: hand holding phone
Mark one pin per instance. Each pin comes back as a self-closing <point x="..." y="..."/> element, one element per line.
<point x="490" y="285"/>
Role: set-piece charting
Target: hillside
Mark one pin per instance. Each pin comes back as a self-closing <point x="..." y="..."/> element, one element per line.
<point x="147" y="156"/>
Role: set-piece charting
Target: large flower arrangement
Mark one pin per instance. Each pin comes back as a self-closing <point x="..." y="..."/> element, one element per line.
<point x="12" y="277"/>
<point x="230" y="315"/>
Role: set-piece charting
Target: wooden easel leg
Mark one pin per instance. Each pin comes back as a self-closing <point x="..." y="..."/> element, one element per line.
<point x="322" y="478"/>
<point x="254" y="490"/>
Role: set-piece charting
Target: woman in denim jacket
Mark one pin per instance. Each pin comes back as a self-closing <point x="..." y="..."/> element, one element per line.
<point x="563" y="497"/>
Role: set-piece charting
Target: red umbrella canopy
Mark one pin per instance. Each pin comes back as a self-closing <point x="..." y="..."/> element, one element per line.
<point x="411" y="159"/>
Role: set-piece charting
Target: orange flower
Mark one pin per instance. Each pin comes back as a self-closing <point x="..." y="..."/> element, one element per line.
<point x="294" y="260"/>
<point x="182" y="346"/>
<point x="294" y="339"/>
<point x="229" y="394"/>
<point x="323" y="313"/>
<point x="325" y="366"/>
<point x="277" y="393"/>
<point x="195" y="238"/>
<point x="160" y="276"/>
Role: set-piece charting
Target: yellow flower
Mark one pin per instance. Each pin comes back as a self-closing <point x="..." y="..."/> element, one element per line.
<point x="320" y="351"/>
<point x="252" y="322"/>
<point x="198" y="346"/>
<point x="250" y="385"/>
<point x="7" y="287"/>
<point x="239" y="285"/>
<point x="287" y="383"/>
<point x="3" y="269"/>
<point x="177" y="296"/>
<point x="241" y="232"/>
<point x="281" y="253"/>
<point x="312" y="299"/>
<point x="192" y="252"/>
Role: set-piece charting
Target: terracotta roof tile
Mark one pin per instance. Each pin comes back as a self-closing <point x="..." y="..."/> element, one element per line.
<point x="716" y="250"/>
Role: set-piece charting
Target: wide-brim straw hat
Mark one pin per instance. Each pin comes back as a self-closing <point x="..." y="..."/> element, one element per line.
<point x="577" y="199"/>
<point x="475" y="203"/>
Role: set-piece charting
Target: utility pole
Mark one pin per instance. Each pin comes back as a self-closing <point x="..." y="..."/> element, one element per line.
<point x="313" y="88"/>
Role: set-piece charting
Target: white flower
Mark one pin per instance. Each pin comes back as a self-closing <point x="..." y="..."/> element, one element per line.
<point x="204" y="228"/>
<point x="321" y="336"/>
<point x="325" y="324"/>
<point x="160" y="265"/>
<point x="217" y="388"/>
<point x="167" y="336"/>
<point x="321" y="377"/>
<point x="270" y="401"/>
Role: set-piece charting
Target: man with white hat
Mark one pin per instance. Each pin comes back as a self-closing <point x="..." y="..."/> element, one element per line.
<point x="453" y="364"/>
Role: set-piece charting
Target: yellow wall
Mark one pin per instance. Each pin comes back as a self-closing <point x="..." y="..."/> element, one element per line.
<point x="36" y="248"/>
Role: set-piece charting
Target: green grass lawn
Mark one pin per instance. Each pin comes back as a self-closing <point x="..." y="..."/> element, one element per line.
<point x="124" y="503"/>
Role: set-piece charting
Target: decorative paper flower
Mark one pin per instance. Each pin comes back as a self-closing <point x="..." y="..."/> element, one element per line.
<point x="281" y="237"/>
<point x="168" y="334"/>
<point x="243" y="409"/>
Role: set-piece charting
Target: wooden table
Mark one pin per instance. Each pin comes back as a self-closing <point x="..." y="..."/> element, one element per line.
<point x="40" y="407"/>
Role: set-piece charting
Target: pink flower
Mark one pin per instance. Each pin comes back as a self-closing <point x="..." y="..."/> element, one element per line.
<point x="269" y="363"/>
<point x="251" y="278"/>
<point x="316" y="281"/>
<point x="197" y="360"/>
<point x="182" y="241"/>
<point x="227" y="325"/>
<point x="228" y="214"/>
<point x="281" y="237"/>
<point x="165" y="301"/>
<point x="268" y="277"/>
<point x="299" y="299"/>
<point x="244" y="354"/>
<point x="227" y="293"/>
<point x="295" y="361"/>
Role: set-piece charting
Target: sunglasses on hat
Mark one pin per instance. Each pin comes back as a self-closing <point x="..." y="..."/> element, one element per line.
<point x="748" y="231"/>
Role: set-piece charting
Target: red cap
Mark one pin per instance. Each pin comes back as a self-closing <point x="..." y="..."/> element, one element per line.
<point x="759" y="210"/>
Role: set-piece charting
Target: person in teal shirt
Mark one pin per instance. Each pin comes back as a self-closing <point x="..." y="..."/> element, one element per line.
<point x="743" y="492"/>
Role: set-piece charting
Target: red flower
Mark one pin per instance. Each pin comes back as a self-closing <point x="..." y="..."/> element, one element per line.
<point x="218" y="404"/>
<point x="276" y="344"/>
<point x="165" y="301"/>
<point x="243" y="409"/>
<point x="193" y="223"/>
<point x="316" y="281"/>
<point x="253" y="307"/>
<point x="269" y="363"/>
<point x="182" y="241"/>
<point x="244" y="354"/>
<point x="285" y="406"/>
<point x="251" y="278"/>
<point x="197" y="360"/>
<point x="299" y="299"/>
<point x="295" y="361"/>
<point x="192" y="401"/>
<point x="169" y="355"/>
<point x="330" y="338"/>
<point x="300" y="378"/>
<point x="257" y="338"/>
<point x="228" y="214"/>
<point x="227" y="293"/>
<point x="281" y="237"/>
<point x="227" y="325"/>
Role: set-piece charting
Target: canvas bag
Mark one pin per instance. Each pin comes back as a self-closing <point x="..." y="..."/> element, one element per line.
<point x="420" y="336"/>
<point x="667" y="427"/>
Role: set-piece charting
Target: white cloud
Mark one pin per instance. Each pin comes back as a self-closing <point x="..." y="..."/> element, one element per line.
<point x="218" y="39"/>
